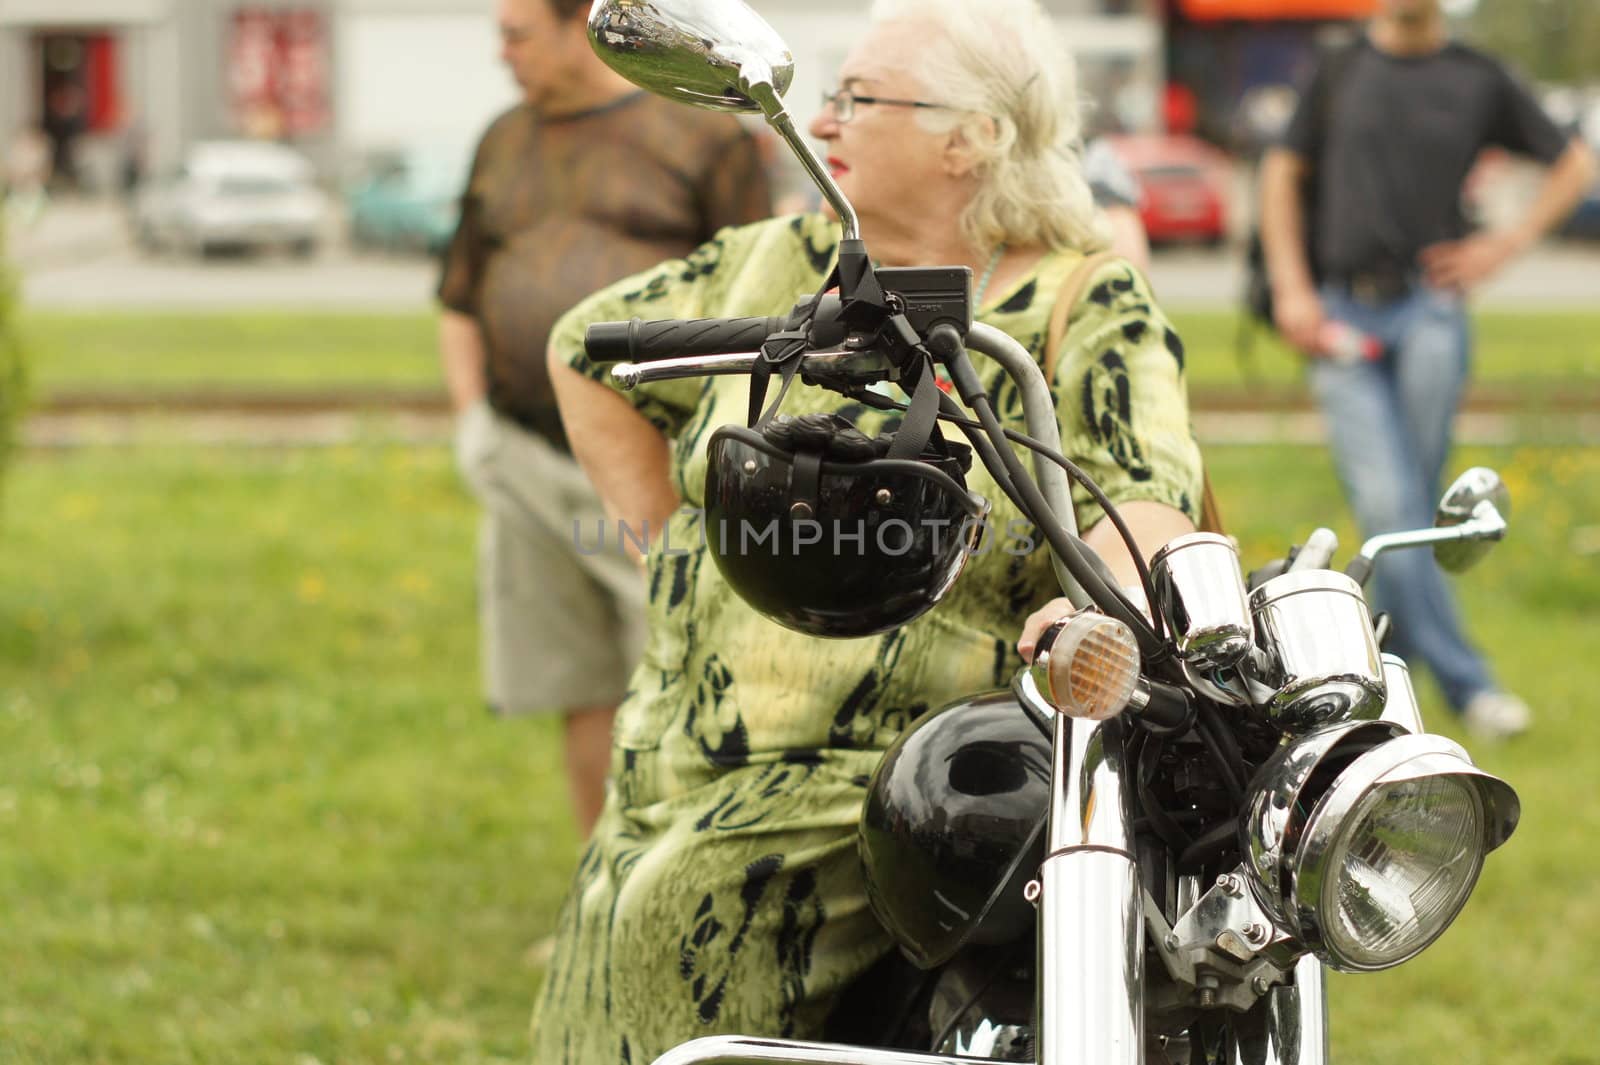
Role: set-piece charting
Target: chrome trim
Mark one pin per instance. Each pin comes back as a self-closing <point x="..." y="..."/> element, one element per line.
<point x="1400" y="707"/>
<point x="1289" y="1026"/>
<point x="1091" y="922"/>
<point x="742" y="1050"/>
<point x="630" y="375"/>
<point x="1411" y="757"/>
<point x="1200" y="592"/>
<point x="778" y="118"/>
<point x="1477" y="495"/>
<point x="1230" y="919"/>
<point x="1039" y="414"/>
<point x="833" y="364"/>
<point x="1091" y="945"/>
<point x="1090" y="807"/>
<point x="1471" y="516"/>
<point x="1321" y="654"/>
<point x="1316" y="552"/>
<point x="1274" y="792"/>
<point x="1463" y="544"/>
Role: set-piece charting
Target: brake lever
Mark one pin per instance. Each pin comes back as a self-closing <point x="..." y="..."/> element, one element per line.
<point x="838" y="369"/>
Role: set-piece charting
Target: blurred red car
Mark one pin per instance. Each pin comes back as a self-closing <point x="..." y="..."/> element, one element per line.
<point x="1184" y="186"/>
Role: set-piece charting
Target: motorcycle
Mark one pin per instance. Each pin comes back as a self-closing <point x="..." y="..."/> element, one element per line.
<point x="1205" y="807"/>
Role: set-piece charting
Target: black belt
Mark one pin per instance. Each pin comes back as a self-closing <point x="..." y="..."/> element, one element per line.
<point x="1379" y="285"/>
<point x="543" y="422"/>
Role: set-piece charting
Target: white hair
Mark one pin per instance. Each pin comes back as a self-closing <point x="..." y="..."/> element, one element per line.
<point x="1011" y="87"/>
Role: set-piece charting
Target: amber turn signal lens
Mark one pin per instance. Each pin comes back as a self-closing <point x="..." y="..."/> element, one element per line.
<point x="1091" y="667"/>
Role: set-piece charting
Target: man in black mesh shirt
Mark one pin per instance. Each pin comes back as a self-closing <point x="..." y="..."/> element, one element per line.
<point x="1387" y="133"/>
<point x="586" y="181"/>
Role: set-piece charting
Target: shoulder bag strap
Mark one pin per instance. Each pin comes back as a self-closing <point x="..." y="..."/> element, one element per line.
<point x="1071" y="292"/>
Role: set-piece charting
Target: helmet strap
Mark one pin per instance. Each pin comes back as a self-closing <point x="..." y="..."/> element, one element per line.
<point x="805" y="484"/>
<point x="921" y="416"/>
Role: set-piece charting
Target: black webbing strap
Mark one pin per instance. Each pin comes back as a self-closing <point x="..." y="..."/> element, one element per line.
<point x="783" y="351"/>
<point x="921" y="417"/>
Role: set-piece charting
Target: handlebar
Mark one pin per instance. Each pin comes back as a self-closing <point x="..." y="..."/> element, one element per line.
<point x="637" y="340"/>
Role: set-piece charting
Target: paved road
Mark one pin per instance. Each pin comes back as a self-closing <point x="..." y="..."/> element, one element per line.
<point x="79" y="257"/>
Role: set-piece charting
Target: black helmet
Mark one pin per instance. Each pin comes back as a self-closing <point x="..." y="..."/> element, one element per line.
<point x="832" y="533"/>
<point x="953" y="827"/>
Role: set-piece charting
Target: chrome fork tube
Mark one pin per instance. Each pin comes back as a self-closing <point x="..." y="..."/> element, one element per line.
<point x="1289" y="1026"/>
<point x="1091" y="923"/>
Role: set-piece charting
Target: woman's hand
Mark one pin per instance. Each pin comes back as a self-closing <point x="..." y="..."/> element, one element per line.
<point x="1037" y="622"/>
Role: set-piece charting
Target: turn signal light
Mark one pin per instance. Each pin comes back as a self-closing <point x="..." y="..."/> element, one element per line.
<point x="1087" y="665"/>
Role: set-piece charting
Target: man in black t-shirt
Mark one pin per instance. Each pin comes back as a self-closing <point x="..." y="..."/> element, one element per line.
<point x="1387" y="132"/>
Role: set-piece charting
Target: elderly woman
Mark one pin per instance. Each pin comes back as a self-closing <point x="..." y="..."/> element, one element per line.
<point x="721" y="891"/>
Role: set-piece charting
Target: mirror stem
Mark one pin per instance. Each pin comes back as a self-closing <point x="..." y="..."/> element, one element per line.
<point x="778" y="118"/>
<point x="1485" y="524"/>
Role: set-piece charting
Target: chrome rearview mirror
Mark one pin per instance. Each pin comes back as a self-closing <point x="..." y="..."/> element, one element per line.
<point x="1478" y="495"/>
<point x="1471" y="516"/>
<point x="716" y="54"/>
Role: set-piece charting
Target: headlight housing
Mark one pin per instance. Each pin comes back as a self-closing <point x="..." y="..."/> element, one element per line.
<point x="1368" y="847"/>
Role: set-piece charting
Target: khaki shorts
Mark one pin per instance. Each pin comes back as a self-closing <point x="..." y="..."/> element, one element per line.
<point x="561" y="628"/>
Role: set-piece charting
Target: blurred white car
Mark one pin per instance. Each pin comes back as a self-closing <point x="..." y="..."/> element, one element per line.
<point x="234" y="194"/>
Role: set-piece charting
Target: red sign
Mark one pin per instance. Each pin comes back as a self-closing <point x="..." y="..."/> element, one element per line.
<point x="1262" y="10"/>
<point x="278" y="71"/>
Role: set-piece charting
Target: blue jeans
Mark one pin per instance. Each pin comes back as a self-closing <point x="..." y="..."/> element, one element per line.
<point x="1389" y="425"/>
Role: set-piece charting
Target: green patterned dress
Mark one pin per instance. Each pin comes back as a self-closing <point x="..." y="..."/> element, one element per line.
<point x="721" y="892"/>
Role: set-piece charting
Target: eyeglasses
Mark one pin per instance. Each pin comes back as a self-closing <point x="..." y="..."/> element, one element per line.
<point x="844" y="103"/>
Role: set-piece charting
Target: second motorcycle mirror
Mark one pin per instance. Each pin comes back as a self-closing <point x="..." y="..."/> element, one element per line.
<point x="1462" y="502"/>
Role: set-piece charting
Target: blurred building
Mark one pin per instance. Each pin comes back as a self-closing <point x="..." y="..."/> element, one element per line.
<point x="131" y="82"/>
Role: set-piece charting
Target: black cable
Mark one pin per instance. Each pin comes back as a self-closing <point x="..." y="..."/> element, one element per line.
<point x="1171" y="833"/>
<point x="1077" y="473"/>
<point x="977" y="435"/>
<point x="1069" y="549"/>
<point x="1230" y="745"/>
<point x="984" y="447"/>
<point x="1204" y="724"/>
<point x="1208" y="845"/>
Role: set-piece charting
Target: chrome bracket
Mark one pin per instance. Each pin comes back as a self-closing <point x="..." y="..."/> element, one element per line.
<point x="1225" y="949"/>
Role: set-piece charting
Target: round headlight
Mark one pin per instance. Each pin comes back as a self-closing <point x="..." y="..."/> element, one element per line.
<point x="1401" y="869"/>
<point x="1392" y="851"/>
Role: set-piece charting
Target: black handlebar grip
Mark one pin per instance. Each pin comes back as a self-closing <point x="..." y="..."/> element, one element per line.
<point x="641" y="341"/>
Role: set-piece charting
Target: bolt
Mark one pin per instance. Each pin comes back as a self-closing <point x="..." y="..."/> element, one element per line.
<point x="801" y="510"/>
<point x="1229" y="884"/>
<point x="1171" y="941"/>
<point x="1255" y="933"/>
<point x="883" y="497"/>
<point x="1208" y="998"/>
<point x="749" y="466"/>
<point x="1260" y="985"/>
<point x="1032" y="890"/>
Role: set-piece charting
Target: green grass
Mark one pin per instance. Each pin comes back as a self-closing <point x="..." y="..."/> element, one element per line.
<point x="127" y="350"/>
<point x="1529" y="351"/>
<point x="258" y="350"/>
<point x="250" y="806"/>
<point x="251" y="810"/>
